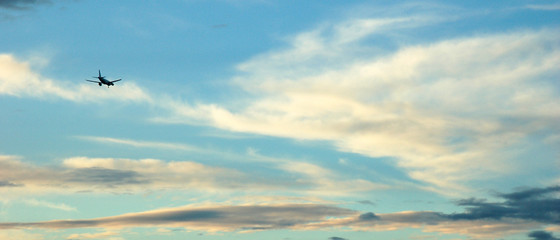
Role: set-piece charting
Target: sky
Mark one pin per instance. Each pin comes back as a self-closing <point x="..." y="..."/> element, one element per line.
<point x="287" y="120"/>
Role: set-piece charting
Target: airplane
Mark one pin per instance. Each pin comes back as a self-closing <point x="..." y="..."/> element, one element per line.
<point x="102" y="81"/>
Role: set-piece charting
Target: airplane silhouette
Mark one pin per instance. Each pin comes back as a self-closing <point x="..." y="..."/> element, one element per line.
<point x="102" y="80"/>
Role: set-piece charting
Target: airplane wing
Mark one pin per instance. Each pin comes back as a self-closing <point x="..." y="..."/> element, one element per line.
<point x="116" y="80"/>
<point x="93" y="81"/>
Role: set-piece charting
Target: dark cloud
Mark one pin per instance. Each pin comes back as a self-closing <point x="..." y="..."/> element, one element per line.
<point x="367" y="202"/>
<point x="337" y="238"/>
<point x="368" y="217"/>
<point x="9" y="184"/>
<point x="209" y="218"/>
<point x="530" y="193"/>
<point x="542" y="235"/>
<point x="535" y="204"/>
<point x="20" y="4"/>
<point x="105" y="176"/>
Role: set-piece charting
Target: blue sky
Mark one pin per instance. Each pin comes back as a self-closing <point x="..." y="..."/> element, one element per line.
<point x="260" y="119"/>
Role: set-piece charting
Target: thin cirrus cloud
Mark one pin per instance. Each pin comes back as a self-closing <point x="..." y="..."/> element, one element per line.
<point x="142" y="144"/>
<point x="481" y="219"/>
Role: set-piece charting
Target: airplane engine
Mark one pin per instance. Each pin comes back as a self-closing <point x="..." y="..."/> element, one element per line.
<point x="99" y="84"/>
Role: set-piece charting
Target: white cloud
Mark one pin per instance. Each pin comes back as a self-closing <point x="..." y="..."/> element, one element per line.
<point x="18" y="79"/>
<point x="447" y="111"/>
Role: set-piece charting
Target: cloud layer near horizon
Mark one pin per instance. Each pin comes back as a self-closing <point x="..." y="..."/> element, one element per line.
<point x="519" y="212"/>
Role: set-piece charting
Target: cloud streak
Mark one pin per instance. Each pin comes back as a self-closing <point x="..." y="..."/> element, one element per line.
<point x="142" y="144"/>
<point x="129" y="175"/>
<point x="120" y="175"/>
<point x="217" y="218"/>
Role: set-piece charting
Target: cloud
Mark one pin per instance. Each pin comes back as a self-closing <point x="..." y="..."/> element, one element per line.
<point x="534" y="204"/>
<point x="99" y="235"/>
<point x="58" y="206"/>
<point x="442" y="110"/>
<point x="107" y="174"/>
<point x="337" y="238"/>
<point x="449" y="112"/>
<point x="130" y="175"/>
<point x="368" y="217"/>
<point x="215" y="218"/>
<point x="8" y="184"/>
<point x="367" y="202"/>
<point x="142" y="144"/>
<point x="17" y="234"/>
<point x="479" y="220"/>
<point x="104" y="176"/>
<point x="548" y="7"/>
<point x="530" y="193"/>
<point x="317" y="180"/>
<point x="542" y="235"/>
<point x="20" y="4"/>
<point x="19" y="80"/>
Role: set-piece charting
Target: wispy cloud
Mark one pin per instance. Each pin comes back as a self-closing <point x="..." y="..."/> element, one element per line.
<point x="142" y="144"/>
<point x="58" y="206"/>
<point x="544" y="7"/>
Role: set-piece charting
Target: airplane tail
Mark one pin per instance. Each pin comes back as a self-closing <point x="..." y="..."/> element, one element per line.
<point x="99" y="72"/>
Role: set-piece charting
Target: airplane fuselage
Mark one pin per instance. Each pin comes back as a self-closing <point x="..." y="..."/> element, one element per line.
<point x="103" y="80"/>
